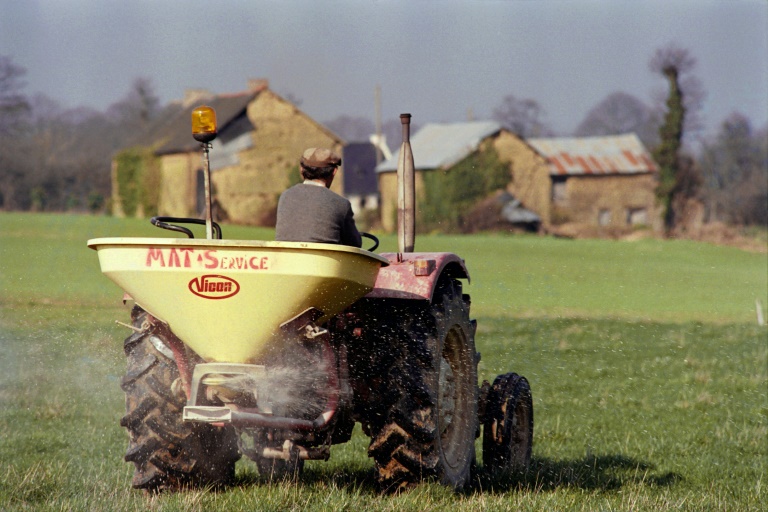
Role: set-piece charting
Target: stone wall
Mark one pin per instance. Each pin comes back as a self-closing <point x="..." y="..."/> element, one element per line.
<point x="530" y="182"/>
<point x="178" y="184"/>
<point x="615" y="200"/>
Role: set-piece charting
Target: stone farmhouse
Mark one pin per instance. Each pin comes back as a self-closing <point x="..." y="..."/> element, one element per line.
<point x="253" y="159"/>
<point x="593" y="182"/>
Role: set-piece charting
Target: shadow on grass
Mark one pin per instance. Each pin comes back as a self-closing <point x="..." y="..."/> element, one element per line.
<point x="593" y="472"/>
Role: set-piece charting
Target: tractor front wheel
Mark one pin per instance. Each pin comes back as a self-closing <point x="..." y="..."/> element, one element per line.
<point x="168" y="453"/>
<point x="508" y="427"/>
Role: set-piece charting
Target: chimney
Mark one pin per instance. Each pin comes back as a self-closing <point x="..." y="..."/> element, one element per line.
<point x="258" y="84"/>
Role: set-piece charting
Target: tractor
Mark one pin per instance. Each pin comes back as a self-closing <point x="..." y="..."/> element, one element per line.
<point x="275" y="350"/>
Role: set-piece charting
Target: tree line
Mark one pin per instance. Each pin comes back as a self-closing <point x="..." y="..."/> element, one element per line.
<point x="59" y="159"/>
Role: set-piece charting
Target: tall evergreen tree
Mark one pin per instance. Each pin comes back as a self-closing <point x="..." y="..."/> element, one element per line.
<point x="671" y="62"/>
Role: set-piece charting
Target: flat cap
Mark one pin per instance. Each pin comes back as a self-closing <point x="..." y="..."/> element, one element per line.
<point x="320" y="157"/>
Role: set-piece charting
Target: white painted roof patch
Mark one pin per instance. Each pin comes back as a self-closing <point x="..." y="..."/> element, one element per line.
<point x="439" y="146"/>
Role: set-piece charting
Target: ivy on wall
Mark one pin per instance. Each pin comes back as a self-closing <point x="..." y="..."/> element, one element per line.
<point x="294" y="176"/>
<point x="138" y="181"/>
<point x="450" y="194"/>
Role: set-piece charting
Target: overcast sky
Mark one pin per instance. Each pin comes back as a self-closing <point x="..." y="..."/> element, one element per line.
<point x="435" y="59"/>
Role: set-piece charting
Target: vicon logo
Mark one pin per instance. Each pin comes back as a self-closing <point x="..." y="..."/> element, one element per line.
<point x="214" y="287"/>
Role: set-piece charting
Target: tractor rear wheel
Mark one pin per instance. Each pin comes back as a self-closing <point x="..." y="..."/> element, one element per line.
<point x="430" y="426"/>
<point x="508" y="426"/>
<point x="168" y="453"/>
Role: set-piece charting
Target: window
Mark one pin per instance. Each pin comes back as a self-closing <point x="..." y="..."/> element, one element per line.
<point x="604" y="217"/>
<point x="637" y="216"/>
<point x="559" y="195"/>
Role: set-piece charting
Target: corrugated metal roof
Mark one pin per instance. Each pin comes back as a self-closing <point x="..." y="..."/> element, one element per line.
<point x="619" y="154"/>
<point x="439" y="146"/>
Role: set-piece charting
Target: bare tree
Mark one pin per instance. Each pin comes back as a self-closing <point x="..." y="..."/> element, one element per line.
<point x="14" y="108"/>
<point x="138" y="108"/>
<point x="60" y="159"/>
<point x="735" y="170"/>
<point x="14" y="172"/>
<point x="57" y="176"/>
<point x="621" y="113"/>
<point x="523" y="117"/>
<point x="13" y="104"/>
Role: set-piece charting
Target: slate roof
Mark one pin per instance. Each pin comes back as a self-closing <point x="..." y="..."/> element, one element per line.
<point x="439" y="146"/>
<point x="619" y="154"/>
<point x="234" y="138"/>
<point x="176" y="131"/>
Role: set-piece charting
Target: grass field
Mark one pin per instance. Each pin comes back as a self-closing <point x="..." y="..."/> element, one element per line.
<point x="648" y="369"/>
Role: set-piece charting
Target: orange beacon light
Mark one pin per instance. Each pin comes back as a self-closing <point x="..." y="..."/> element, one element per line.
<point x="204" y="124"/>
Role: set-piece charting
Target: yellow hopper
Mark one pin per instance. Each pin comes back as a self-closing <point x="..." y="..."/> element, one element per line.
<point x="227" y="298"/>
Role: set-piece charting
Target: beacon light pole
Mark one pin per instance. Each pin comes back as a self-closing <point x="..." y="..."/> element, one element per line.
<point x="204" y="131"/>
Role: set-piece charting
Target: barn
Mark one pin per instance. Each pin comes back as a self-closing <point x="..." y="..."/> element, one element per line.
<point x="607" y="181"/>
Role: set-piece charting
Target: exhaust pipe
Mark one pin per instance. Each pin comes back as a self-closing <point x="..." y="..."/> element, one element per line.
<point x="406" y="192"/>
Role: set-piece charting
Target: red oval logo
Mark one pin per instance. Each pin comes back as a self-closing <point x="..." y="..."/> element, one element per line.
<point x="214" y="286"/>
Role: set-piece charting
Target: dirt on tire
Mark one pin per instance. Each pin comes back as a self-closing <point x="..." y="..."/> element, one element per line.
<point x="168" y="453"/>
<point x="426" y="418"/>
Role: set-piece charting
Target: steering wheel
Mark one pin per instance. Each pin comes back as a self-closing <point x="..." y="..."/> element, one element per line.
<point x="372" y="237"/>
<point x="164" y="222"/>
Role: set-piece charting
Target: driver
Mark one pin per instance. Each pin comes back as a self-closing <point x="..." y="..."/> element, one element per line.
<point x="309" y="211"/>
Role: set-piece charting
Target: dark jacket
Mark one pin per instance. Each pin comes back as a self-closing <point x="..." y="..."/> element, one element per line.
<point x="310" y="213"/>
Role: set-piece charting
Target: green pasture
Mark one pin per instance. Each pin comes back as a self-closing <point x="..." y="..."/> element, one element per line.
<point x="648" y="369"/>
